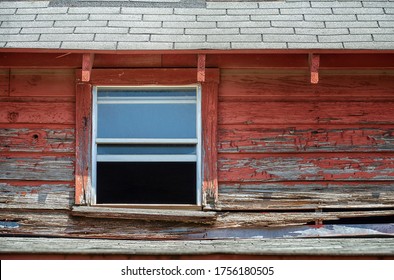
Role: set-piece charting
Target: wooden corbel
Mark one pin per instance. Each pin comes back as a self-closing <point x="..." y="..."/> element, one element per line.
<point x="201" y="68"/>
<point x="87" y="64"/>
<point x="314" y="63"/>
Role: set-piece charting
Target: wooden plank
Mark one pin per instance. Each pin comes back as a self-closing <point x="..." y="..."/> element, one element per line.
<point x="305" y="167"/>
<point x="83" y="128"/>
<point x="270" y="85"/>
<point x="87" y="64"/>
<point x="269" y="61"/>
<point x="37" y="167"/>
<point x="46" y="82"/>
<point x="42" y="196"/>
<point x="185" y="216"/>
<point x="201" y="67"/>
<point x="127" y="61"/>
<point x="4" y="82"/>
<point x="167" y="76"/>
<point x="227" y="226"/>
<point x="314" y="64"/>
<point x="304" y="138"/>
<point x="40" y="60"/>
<point x="209" y="136"/>
<point x="259" y="247"/>
<point x="32" y="139"/>
<point x="292" y="113"/>
<point x="352" y="60"/>
<point x="37" y="112"/>
<point x="305" y="195"/>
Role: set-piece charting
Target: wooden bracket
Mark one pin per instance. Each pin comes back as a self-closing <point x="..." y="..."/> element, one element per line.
<point x="314" y="63"/>
<point x="201" y="68"/>
<point x="87" y="64"/>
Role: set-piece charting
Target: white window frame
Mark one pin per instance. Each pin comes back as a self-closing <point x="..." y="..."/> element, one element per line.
<point x="148" y="158"/>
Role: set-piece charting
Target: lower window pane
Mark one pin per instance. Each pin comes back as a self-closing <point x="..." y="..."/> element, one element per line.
<point x="146" y="182"/>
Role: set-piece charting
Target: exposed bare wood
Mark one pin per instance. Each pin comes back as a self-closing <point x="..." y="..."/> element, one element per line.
<point x="295" y="113"/>
<point x="314" y="64"/>
<point x="209" y="137"/>
<point x="42" y="82"/>
<point x="37" y="140"/>
<point x="37" y="112"/>
<point x="87" y="64"/>
<point x="305" y="167"/>
<point x="37" y="167"/>
<point x="201" y="68"/>
<point x="83" y="143"/>
<point x="47" y="196"/>
<point x="282" y="247"/>
<point x="301" y="138"/>
<point x="145" y="214"/>
<point x="305" y="195"/>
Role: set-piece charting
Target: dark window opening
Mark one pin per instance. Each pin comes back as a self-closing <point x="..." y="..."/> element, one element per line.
<point x="146" y="183"/>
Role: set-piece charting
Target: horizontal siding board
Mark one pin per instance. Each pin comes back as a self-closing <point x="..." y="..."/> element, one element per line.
<point x="37" y="140"/>
<point x="306" y="113"/>
<point x="37" y="112"/>
<point x="291" y="86"/>
<point x="43" y="196"/>
<point x="228" y="225"/>
<point x="305" y="195"/>
<point x="4" y="82"/>
<point x="263" y="139"/>
<point x="305" y="167"/>
<point x="47" y="82"/>
<point x="37" y="167"/>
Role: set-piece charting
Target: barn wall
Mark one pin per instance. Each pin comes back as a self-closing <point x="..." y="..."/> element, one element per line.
<point x="285" y="143"/>
<point x="37" y="136"/>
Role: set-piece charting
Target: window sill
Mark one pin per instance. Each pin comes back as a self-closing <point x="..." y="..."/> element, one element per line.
<point x="172" y="215"/>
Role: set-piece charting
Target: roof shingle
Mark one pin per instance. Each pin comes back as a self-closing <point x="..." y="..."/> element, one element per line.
<point x="290" y="24"/>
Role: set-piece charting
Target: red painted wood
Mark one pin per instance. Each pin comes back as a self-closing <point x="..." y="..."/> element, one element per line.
<point x="305" y="167"/>
<point x="162" y="76"/>
<point x="304" y="138"/>
<point x="314" y="63"/>
<point x="40" y="60"/>
<point x="124" y="60"/>
<point x="357" y="60"/>
<point x="180" y="60"/>
<point x="201" y="68"/>
<point x="292" y="113"/>
<point x="209" y="136"/>
<point x="37" y="112"/>
<point x="237" y="61"/>
<point x="4" y="82"/>
<point x="83" y="143"/>
<point x="36" y="167"/>
<point x="259" y="85"/>
<point x="47" y="82"/>
<point x="87" y="64"/>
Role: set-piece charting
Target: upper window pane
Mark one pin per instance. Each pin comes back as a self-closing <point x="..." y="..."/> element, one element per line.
<point x="146" y="113"/>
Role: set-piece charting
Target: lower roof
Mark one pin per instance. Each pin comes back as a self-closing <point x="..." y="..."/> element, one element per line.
<point x="266" y="247"/>
<point x="197" y="24"/>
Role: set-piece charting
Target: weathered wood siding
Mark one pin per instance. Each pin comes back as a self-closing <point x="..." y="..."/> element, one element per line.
<point x="285" y="143"/>
<point x="37" y="138"/>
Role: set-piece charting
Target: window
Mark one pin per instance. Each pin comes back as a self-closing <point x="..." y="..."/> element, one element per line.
<point x="146" y="145"/>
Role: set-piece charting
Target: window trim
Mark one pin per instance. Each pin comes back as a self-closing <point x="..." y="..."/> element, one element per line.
<point x="147" y="158"/>
<point x="147" y="76"/>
